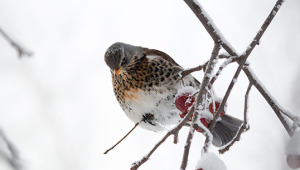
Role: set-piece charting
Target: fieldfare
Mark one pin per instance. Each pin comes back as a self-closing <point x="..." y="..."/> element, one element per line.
<point x="145" y="82"/>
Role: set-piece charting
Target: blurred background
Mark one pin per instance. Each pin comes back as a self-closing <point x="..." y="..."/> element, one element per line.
<point x="58" y="108"/>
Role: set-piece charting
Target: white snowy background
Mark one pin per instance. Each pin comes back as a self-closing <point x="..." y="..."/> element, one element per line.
<point x="58" y="106"/>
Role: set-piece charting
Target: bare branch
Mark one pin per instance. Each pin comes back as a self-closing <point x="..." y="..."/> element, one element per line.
<point x="203" y="66"/>
<point x="228" y="61"/>
<point x="173" y="131"/>
<point x="122" y="138"/>
<point x="205" y="20"/>
<point x="251" y="76"/>
<point x="21" y="50"/>
<point x="199" y="101"/>
<point x="229" y="89"/>
<point x="189" y="71"/>
<point x="246" y="106"/>
<point x="268" y="97"/>
<point x="137" y="164"/>
<point x="263" y="28"/>
<point x="12" y="159"/>
<point x="245" y="125"/>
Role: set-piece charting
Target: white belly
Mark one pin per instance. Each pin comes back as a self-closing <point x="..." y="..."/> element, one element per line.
<point x="158" y="104"/>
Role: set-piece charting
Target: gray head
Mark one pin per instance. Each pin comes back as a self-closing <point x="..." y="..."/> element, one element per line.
<point x="119" y="55"/>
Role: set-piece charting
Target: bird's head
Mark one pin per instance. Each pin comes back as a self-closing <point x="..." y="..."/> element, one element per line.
<point x="119" y="55"/>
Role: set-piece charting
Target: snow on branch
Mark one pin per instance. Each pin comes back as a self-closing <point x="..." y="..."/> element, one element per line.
<point x="173" y="131"/>
<point x="245" y="125"/>
<point x="217" y="36"/>
<point x="208" y="80"/>
<point x="203" y="66"/>
<point x="199" y="101"/>
<point x="178" y="127"/>
<point x="269" y="98"/>
<point x="209" y="25"/>
<point x="225" y="63"/>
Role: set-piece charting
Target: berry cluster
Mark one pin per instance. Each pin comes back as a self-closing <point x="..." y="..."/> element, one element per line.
<point x="185" y="100"/>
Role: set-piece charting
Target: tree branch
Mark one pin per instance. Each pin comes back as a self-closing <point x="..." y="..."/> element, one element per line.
<point x="219" y="40"/>
<point x="269" y="98"/>
<point x="245" y="125"/>
<point x="228" y="61"/>
<point x="191" y="70"/>
<point x="203" y="66"/>
<point x="217" y="36"/>
<point x="122" y="138"/>
<point x="13" y="157"/>
<point x="177" y="128"/>
<point x="21" y="50"/>
<point x="173" y="131"/>
<point x="199" y="101"/>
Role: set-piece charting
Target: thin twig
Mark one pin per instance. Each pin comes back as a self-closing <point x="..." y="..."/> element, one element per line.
<point x="254" y="80"/>
<point x="268" y="97"/>
<point x="205" y="20"/>
<point x="122" y="138"/>
<point x="225" y="63"/>
<point x="21" y="50"/>
<point x="137" y="164"/>
<point x="207" y="134"/>
<point x="199" y="101"/>
<point x="245" y="125"/>
<point x="203" y="66"/>
<point x="288" y="114"/>
<point x="191" y="70"/>
<point x="13" y="159"/>
<point x="173" y="131"/>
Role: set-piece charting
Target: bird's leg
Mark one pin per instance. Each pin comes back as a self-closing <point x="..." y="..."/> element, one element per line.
<point x="148" y="118"/>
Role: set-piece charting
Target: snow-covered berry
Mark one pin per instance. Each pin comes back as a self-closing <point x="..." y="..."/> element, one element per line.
<point x="293" y="151"/>
<point x="210" y="161"/>
<point x="213" y="108"/>
<point x="205" y="122"/>
<point x="184" y="100"/>
<point x="293" y="161"/>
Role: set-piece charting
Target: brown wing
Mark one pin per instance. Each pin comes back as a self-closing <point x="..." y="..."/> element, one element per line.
<point x="164" y="56"/>
<point x="161" y="54"/>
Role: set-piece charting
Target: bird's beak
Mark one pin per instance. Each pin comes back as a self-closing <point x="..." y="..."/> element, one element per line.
<point x="117" y="72"/>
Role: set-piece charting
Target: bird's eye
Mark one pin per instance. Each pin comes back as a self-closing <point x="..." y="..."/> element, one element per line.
<point x="124" y="61"/>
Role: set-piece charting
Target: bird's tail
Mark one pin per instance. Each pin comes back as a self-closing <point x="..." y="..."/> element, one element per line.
<point x="225" y="130"/>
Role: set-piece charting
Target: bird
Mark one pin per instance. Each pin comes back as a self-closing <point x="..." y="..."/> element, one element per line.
<point x="145" y="82"/>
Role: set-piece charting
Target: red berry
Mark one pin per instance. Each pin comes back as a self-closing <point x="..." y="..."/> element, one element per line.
<point x="293" y="161"/>
<point x="214" y="110"/>
<point x="205" y="122"/>
<point x="182" y="103"/>
<point x="182" y="114"/>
